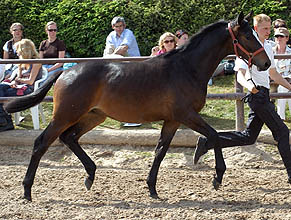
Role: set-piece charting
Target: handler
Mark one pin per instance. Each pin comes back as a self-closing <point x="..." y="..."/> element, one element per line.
<point x="262" y="110"/>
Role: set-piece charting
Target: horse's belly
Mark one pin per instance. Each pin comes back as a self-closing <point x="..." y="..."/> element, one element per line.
<point x="134" y="112"/>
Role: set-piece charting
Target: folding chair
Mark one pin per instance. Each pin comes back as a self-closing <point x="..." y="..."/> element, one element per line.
<point x="35" y="110"/>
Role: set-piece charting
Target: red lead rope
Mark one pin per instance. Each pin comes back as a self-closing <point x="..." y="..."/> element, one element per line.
<point x="237" y="44"/>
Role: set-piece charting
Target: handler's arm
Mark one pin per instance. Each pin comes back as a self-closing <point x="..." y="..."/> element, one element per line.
<point x="277" y="77"/>
<point x="244" y="82"/>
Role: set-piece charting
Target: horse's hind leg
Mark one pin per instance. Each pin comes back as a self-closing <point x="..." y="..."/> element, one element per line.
<point x="194" y="121"/>
<point x="41" y="145"/>
<point x="71" y="136"/>
<point x="167" y="134"/>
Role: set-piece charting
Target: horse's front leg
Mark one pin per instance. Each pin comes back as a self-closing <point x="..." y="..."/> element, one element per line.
<point x="168" y="131"/>
<point x="220" y="167"/>
<point x="194" y="121"/>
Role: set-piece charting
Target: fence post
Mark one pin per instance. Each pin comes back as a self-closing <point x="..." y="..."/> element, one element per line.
<point x="239" y="108"/>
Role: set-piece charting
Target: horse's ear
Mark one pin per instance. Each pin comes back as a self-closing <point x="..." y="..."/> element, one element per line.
<point x="249" y="16"/>
<point x="240" y="18"/>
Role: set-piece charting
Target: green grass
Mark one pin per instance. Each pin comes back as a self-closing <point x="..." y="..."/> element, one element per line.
<point x="220" y="114"/>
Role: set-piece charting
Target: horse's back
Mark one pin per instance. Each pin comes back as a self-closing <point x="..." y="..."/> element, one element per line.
<point x="117" y="89"/>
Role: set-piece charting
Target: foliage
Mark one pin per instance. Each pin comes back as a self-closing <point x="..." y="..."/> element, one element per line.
<point x="84" y="25"/>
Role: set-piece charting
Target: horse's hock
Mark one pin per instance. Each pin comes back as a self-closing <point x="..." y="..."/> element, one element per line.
<point x="144" y="137"/>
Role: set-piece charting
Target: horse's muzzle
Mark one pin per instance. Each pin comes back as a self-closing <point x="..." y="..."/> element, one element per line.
<point x="265" y="67"/>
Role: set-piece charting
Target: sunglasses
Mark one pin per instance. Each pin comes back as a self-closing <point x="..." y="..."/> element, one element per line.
<point x="280" y="25"/>
<point x="52" y="30"/>
<point x="169" y="41"/>
<point x="277" y="36"/>
<point x="17" y="30"/>
<point x="180" y="33"/>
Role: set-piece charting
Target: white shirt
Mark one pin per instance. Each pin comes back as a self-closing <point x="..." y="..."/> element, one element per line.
<point x="283" y="66"/>
<point x="260" y="78"/>
<point x="5" y="47"/>
<point x="126" y="38"/>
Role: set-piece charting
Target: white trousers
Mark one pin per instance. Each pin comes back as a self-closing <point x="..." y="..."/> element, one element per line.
<point x="281" y="106"/>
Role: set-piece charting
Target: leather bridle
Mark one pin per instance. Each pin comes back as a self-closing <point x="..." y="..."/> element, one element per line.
<point x="237" y="44"/>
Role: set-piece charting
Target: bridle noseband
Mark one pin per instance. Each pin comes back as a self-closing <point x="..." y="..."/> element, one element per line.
<point x="237" y="44"/>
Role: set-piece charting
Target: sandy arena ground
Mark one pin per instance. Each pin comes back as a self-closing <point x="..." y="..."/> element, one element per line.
<point x="255" y="185"/>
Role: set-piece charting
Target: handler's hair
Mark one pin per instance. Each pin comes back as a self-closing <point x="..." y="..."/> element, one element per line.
<point x="261" y="18"/>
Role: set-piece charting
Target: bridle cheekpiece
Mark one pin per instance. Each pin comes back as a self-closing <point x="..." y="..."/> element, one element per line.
<point x="236" y="45"/>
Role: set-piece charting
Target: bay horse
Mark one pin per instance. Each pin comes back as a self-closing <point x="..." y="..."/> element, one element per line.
<point x="171" y="87"/>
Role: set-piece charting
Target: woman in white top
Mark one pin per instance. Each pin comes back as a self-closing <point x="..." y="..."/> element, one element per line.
<point x="282" y="66"/>
<point x="23" y="84"/>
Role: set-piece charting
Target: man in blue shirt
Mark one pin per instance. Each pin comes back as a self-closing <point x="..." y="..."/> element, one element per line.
<point x="121" y="41"/>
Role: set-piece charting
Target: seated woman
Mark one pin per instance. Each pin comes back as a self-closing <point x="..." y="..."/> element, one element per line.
<point x="9" y="50"/>
<point x="52" y="48"/>
<point x="23" y="83"/>
<point x="182" y="36"/>
<point x="167" y="42"/>
<point x="283" y="67"/>
<point x="2" y="71"/>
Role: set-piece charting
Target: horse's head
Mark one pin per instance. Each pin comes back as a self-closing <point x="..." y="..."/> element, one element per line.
<point x="246" y="42"/>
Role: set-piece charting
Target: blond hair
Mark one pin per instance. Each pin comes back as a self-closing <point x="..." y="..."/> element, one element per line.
<point x="258" y="19"/>
<point x="163" y="37"/>
<point x="26" y="50"/>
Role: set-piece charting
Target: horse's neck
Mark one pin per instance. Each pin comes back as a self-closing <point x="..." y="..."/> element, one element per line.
<point x="205" y="58"/>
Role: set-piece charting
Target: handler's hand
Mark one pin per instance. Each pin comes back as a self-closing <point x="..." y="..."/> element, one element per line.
<point x="254" y="90"/>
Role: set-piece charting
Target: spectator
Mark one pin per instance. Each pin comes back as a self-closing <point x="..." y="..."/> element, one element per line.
<point x="167" y="42"/>
<point x="121" y="41"/>
<point x="262" y="110"/>
<point x="9" y="51"/>
<point x="2" y="70"/>
<point x="282" y="66"/>
<point x="52" y="48"/>
<point x="23" y="83"/>
<point x="277" y="24"/>
<point x="182" y="37"/>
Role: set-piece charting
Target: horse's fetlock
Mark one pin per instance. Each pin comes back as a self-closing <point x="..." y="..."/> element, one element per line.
<point x="26" y="184"/>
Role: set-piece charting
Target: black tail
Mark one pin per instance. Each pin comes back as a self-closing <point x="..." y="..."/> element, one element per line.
<point x="30" y="100"/>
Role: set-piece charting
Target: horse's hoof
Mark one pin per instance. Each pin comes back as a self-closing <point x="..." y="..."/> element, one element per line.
<point x="88" y="183"/>
<point x="28" y="198"/>
<point x="216" y="184"/>
<point x="154" y="196"/>
<point x="27" y="195"/>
